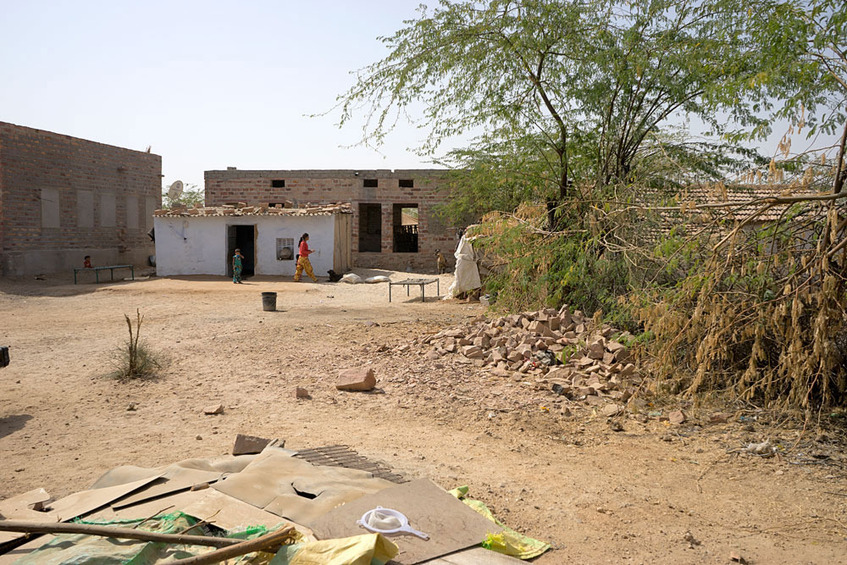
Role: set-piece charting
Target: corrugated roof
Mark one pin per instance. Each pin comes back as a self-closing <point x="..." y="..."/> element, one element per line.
<point x="228" y="210"/>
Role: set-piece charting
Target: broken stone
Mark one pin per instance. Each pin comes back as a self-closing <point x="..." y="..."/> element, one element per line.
<point x="472" y="352"/>
<point x="596" y="350"/>
<point x="735" y="557"/>
<point x="356" y="380"/>
<point x="719" y="418"/>
<point x="301" y="392"/>
<point x="560" y="389"/>
<point x="676" y="417"/>
<point x="248" y="445"/>
<point x="628" y="370"/>
<point x="213" y="409"/>
<point x="611" y="410"/>
<point x="540" y="328"/>
<point x="622" y="355"/>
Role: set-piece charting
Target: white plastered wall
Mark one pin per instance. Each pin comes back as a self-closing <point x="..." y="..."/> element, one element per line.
<point x="198" y="245"/>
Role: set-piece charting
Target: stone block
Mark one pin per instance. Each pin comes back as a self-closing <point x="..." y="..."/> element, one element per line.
<point x="356" y="380"/>
<point x="249" y="445"/>
<point x="472" y="352"/>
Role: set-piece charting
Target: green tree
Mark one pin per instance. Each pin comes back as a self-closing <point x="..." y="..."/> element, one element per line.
<point x="191" y="195"/>
<point x="577" y="88"/>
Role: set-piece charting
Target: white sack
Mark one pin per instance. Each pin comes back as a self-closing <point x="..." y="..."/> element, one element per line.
<point x="467" y="272"/>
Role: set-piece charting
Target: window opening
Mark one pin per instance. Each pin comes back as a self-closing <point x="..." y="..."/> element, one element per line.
<point x="370" y="228"/>
<point x="407" y="183"/>
<point x="285" y="249"/>
<point x="370" y="183"/>
<point x="405" y="228"/>
<point x="278" y="183"/>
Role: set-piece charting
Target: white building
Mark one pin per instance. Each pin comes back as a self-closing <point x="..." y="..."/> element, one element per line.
<point x="202" y="241"/>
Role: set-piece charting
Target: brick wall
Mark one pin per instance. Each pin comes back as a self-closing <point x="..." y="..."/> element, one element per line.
<point x="326" y="186"/>
<point x="89" y="188"/>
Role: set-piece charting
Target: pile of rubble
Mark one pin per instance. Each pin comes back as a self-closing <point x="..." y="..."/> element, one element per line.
<point x="565" y="351"/>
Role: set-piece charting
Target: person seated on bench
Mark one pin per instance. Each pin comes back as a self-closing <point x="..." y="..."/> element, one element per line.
<point x="87" y="262"/>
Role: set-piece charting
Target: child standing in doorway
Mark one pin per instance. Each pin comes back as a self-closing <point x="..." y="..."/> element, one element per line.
<point x="303" y="263"/>
<point x="237" y="266"/>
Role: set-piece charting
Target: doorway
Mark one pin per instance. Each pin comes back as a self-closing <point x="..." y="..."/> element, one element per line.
<point x="370" y="228"/>
<point x="405" y="224"/>
<point x="243" y="238"/>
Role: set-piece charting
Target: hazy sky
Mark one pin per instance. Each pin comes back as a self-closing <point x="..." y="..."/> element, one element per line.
<point x="207" y="84"/>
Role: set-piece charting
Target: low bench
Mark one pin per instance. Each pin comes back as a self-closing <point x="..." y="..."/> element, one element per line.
<point x="411" y="282"/>
<point x="97" y="270"/>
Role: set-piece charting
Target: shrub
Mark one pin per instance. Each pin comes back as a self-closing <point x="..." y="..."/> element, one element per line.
<point x="134" y="359"/>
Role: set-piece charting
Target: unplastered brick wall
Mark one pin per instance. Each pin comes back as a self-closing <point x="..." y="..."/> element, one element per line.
<point x="62" y="198"/>
<point x="421" y="188"/>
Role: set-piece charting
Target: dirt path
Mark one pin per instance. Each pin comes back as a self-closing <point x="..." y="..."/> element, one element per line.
<point x="650" y="493"/>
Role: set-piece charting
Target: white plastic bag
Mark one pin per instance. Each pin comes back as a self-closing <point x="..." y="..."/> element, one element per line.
<point x="377" y="279"/>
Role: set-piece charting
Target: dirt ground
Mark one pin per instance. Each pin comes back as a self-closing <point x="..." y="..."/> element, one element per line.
<point x="555" y="470"/>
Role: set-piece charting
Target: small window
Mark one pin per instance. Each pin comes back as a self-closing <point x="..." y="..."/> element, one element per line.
<point x="370" y="183"/>
<point x="278" y="183"/>
<point x="285" y="249"/>
<point x="407" y="183"/>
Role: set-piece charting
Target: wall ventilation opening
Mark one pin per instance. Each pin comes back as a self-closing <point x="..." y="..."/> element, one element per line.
<point x="370" y="183"/>
<point x="278" y="183"/>
<point x="407" y="183"/>
<point x="405" y="223"/>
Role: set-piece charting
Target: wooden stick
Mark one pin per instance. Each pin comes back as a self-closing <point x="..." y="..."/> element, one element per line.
<point x="262" y="543"/>
<point x="108" y="531"/>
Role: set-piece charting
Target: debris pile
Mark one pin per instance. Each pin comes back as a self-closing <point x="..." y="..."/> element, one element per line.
<point x="562" y="349"/>
<point x="303" y="506"/>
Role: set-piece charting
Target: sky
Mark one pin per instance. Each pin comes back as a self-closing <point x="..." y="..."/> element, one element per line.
<point x="207" y="85"/>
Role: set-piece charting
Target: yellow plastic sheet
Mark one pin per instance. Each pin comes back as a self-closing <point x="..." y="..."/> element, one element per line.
<point x="367" y="549"/>
<point x="507" y="542"/>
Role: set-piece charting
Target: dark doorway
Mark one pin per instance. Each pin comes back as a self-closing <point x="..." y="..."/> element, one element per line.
<point x="405" y="224"/>
<point x="243" y="238"/>
<point x="370" y="228"/>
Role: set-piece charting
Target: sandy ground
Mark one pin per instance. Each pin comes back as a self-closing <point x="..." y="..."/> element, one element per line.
<point x="648" y="494"/>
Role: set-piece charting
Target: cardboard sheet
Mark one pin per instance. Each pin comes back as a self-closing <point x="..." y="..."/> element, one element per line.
<point x="174" y="479"/>
<point x="295" y="489"/>
<point x="474" y="556"/>
<point x="231" y="514"/>
<point x="81" y="503"/>
<point x="450" y="524"/>
<point x="20" y="508"/>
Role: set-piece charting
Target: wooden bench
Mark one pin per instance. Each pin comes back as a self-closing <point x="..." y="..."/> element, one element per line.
<point x="97" y="270"/>
<point x="410" y="282"/>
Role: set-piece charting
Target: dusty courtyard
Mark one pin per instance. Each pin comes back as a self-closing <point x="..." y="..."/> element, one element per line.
<point x="650" y="493"/>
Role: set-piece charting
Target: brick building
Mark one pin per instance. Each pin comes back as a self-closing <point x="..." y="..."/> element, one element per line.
<point x="62" y="198"/>
<point x="394" y="225"/>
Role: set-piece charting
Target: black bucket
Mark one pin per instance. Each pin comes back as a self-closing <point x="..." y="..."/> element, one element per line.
<point x="269" y="301"/>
